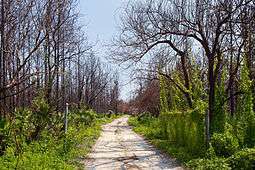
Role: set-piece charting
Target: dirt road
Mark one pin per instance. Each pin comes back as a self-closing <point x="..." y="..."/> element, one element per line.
<point x="119" y="148"/>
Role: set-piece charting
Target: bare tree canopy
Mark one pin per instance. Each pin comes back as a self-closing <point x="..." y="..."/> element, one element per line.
<point x="44" y="50"/>
<point x="180" y="35"/>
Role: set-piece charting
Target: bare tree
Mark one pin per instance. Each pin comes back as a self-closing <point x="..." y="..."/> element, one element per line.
<point x="44" y="50"/>
<point x="211" y="30"/>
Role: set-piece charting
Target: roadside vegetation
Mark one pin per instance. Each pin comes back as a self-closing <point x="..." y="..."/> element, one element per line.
<point x="193" y="62"/>
<point x="35" y="140"/>
<point x="47" y="61"/>
<point x="182" y="133"/>
<point x="224" y="152"/>
<point x="194" y="65"/>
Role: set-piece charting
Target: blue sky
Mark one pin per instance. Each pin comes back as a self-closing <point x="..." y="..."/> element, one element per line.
<point x="101" y="18"/>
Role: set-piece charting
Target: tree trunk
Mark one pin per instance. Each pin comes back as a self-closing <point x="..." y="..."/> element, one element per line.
<point x="186" y="80"/>
<point x="2" y="59"/>
<point x="211" y="101"/>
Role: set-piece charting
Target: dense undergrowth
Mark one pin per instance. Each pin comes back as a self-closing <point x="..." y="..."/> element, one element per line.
<point x="228" y="142"/>
<point x="34" y="138"/>
<point x="184" y="140"/>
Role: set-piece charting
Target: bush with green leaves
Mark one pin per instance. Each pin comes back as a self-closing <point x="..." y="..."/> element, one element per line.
<point x="243" y="160"/>
<point x="4" y="135"/>
<point x="85" y="116"/>
<point x="26" y="124"/>
<point x="245" y="116"/>
<point x="224" y="144"/>
<point x="51" y="151"/>
<point x="219" y="119"/>
<point x="209" y="164"/>
<point x="33" y="138"/>
<point x="144" y="117"/>
<point x="184" y="129"/>
<point x="146" y="125"/>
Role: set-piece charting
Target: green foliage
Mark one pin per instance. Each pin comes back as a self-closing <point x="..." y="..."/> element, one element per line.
<point x="245" y="117"/>
<point x="54" y="153"/>
<point x="249" y="138"/>
<point x="17" y="130"/>
<point x="151" y="129"/>
<point x="33" y="157"/>
<point x="33" y="139"/>
<point x="84" y="116"/>
<point x="224" y="144"/>
<point x="133" y="121"/>
<point x="146" y="125"/>
<point x="223" y="151"/>
<point x="209" y="164"/>
<point x="181" y="131"/>
<point x="41" y="108"/>
<point x="143" y="117"/>
<point x="184" y="129"/>
<point x="177" y="152"/>
<point x="210" y="153"/>
<point x="39" y="117"/>
<point x="26" y="124"/>
<point x="3" y="135"/>
<point x="163" y="95"/>
<point x="243" y="160"/>
<point x="175" y="134"/>
<point x="197" y="87"/>
<point x="219" y="117"/>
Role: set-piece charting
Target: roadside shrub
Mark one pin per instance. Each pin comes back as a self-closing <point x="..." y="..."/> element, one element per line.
<point x="164" y="125"/>
<point x="40" y="118"/>
<point x="249" y="138"/>
<point x="85" y="116"/>
<point x="210" y="153"/>
<point x="132" y="121"/>
<point x="53" y="152"/>
<point x="219" y="119"/>
<point x="184" y="129"/>
<point x="148" y="126"/>
<point x="243" y="160"/>
<point x="209" y="164"/>
<point x="4" y="137"/>
<point x="143" y="117"/>
<point x="224" y="144"/>
<point x="245" y="112"/>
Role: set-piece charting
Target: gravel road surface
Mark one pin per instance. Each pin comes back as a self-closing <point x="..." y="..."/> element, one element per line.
<point x="119" y="148"/>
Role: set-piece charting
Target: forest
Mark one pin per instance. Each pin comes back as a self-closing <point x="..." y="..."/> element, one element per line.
<point x="198" y="86"/>
<point x="192" y="62"/>
<point x="46" y="61"/>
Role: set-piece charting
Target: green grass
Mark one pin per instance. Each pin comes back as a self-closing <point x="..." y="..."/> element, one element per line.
<point x="54" y="152"/>
<point x="150" y="129"/>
